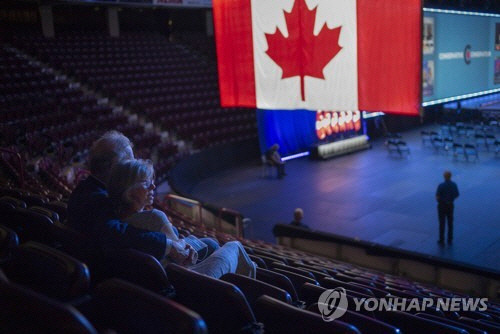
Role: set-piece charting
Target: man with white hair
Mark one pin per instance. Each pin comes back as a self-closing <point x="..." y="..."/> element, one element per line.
<point x="90" y="211"/>
<point x="298" y="214"/>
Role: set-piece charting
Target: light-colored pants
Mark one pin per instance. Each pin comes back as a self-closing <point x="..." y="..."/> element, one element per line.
<point x="229" y="258"/>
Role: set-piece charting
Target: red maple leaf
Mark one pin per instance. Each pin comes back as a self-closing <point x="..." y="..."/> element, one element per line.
<point x="302" y="53"/>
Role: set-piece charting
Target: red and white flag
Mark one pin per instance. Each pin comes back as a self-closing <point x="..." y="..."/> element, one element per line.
<point x="320" y="54"/>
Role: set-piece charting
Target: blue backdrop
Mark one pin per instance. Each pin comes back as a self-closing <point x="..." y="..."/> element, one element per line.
<point x="293" y="130"/>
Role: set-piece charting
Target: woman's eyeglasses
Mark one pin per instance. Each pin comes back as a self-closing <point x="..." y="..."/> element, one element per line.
<point x="147" y="184"/>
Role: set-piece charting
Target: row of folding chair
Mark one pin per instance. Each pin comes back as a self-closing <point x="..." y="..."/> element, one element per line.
<point x="397" y="147"/>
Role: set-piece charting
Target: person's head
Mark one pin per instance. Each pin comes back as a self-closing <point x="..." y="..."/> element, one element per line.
<point x="447" y="175"/>
<point x="275" y="147"/>
<point x="131" y="185"/>
<point x="298" y="214"/>
<point x="111" y="148"/>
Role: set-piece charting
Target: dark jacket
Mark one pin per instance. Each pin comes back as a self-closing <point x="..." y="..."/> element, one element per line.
<point x="90" y="211"/>
<point x="447" y="192"/>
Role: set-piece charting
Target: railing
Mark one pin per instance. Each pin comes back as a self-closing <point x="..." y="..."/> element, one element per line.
<point x="223" y="220"/>
<point x="185" y="207"/>
<point x="238" y="221"/>
<point x="416" y="266"/>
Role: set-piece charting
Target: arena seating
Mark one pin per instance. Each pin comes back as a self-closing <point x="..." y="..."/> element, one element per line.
<point x="54" y="281"/>
<point x="288" y="289"/>
<point x="165" y="81"/>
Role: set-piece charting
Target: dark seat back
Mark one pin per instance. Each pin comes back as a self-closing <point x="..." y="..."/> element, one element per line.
<point x="297" y="279"/>
<point x="29" y="225"/>
<point x="8" y="241"/>
<point x="127" y="308"/>
<point x="412" y="324"/>
<point x="279" y="317"/>
<point x="48" y="271"/>
<point x="16" y="202"/>
<point x="136" y="267"/>
<point x="253" y="288"/>
<point x="277" y="280"/>
<point x="25" y="311"/>
<point x="222" y="305"/>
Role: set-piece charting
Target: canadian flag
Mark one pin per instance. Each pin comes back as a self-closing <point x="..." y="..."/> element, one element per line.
<point x="320" y="54"/>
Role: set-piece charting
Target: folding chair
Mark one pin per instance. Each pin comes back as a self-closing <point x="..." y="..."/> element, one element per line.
<point x="471" y="151"/>
<point x="403" y="148"/>
<point x="392" y="147"/>
<point x="459" y="150"/>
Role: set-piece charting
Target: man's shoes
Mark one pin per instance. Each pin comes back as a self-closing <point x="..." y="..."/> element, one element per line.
<point x="441" y="241"/>
<point x="450" y="242"/>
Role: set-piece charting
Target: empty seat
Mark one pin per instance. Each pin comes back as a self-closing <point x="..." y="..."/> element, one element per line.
<point x="16" y="202"/>
<point x="8" y="241"/>
<point x="48" y="271"/>
<point x="25" y="311"/>
<point x="221" y="304"/>
<point x="412" y="324"/>
<point x="136" y="267"/>
<point x="469" y="328"/>
<point x="29" y="225"/>
<point x="123" y="307"/>
<point x="297" y="279"/>
<point x="279" y="317"/>
<point x="278" y="280"/>
<point x="253" y="288"/>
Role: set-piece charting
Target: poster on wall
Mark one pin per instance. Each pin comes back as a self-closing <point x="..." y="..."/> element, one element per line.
<point x="428" y="35"/>
<point x="428" y="78"/>
<point x="497" y="71"/>
<point x="497" y="37"/>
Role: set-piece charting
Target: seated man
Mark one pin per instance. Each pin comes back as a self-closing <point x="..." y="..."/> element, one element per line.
<point x="90" y="210"/>
<point x="298" y="214"/>
<point x="274" y="158"/>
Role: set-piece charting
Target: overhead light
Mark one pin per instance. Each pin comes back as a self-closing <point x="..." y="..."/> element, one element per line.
<point x="459" y="12"/>
<point x="459" y="97"/>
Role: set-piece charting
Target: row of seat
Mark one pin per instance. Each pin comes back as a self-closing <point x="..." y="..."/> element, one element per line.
<point x="194" y="79"/>
<point x="290" y="280"/>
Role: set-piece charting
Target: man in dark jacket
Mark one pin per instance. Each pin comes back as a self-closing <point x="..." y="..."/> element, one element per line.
<point x="90" y="211"/>
<point x="446" y="194"/>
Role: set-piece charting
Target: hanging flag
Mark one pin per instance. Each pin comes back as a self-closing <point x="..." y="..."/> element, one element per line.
<point x="320" y="54"/>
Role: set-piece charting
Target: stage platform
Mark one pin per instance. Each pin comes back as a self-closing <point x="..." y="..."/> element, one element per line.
<point x="375" y="197"/>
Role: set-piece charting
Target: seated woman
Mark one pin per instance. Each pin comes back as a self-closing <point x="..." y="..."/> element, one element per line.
<point x="131" y="189"/>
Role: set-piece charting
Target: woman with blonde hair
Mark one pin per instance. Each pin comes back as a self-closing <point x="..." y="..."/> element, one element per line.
<point x="131" y="190"/>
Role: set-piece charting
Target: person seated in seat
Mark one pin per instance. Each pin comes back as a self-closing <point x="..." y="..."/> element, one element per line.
<point x="90" y="211"/>
<point x="131" y="190"/>
<point x="274" y="158"/>
<point x="298" y="214"/>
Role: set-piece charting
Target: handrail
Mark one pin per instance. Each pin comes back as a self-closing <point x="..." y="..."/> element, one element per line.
<point x="17" y="156"/>
<point x="179" y="199"/>
<point x="238" y="220"/>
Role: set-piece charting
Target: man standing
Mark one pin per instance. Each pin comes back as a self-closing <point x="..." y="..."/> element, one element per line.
<point x="446" y="193"/>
